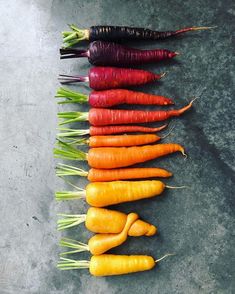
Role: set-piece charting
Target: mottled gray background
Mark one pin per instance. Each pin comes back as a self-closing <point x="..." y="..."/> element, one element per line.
<point x="197" y="224"/>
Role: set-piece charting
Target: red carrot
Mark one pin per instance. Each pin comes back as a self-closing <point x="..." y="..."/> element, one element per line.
<point x="108" y="98"/>
<point x="112" y="54"/>
<point x="102" y="116"/>
<point x="117" y="33"/>
<point x="102" y="78"/>
<point x="107" y="130"/>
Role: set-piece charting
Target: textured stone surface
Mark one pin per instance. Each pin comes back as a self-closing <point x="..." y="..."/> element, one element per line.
<point x="197" y="223"/>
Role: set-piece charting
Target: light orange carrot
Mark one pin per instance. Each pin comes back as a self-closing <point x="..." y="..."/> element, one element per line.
<point x="109" y="264"/>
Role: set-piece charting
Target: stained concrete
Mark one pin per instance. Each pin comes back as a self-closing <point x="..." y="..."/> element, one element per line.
<point x="195" y="223"/>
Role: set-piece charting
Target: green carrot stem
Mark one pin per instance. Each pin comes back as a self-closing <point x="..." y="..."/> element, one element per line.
<point x="67" y="264"/>
<point x="68" y="152"/>
<point x="70" y="243"/>
<point x="67" y="132"/>
<point x="73" y="116"/>
<point x="70" y="221"/>
<point x="69" y="195"/>
<point x="70" y="96"/>
<point x="68" y="170"/>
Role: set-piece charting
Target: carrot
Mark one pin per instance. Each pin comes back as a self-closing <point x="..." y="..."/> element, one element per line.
<point x="114" y="157"/>
<point x="108" y="98"/>
<point x="108" y="130"/>
<point x="106" y="221"/>
<point x="101" y="243"/>
<point x="102" y="53"/>
<point x="103" y="78"/>
<point x="104" y="175"/>
<point x="104" y="117"/>
<point x="117" y="33"/>
<point x="109" y="264"/>
<point x="118" y="140"/>
<point x="101" y="194"/>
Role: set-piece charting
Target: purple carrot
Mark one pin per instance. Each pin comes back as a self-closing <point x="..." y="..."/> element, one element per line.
<point x="106" y="53"/>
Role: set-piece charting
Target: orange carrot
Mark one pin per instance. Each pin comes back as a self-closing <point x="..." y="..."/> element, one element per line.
<point x="114" y="157"/>
<point x="108" y="175"/>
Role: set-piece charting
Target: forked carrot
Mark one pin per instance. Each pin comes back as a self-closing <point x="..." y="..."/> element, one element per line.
<point x="106" y="221"/>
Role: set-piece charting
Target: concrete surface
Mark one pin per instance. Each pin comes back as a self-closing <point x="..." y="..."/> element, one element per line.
<point x="197" y="223"/>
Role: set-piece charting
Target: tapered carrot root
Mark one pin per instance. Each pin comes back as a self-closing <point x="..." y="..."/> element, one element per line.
<point x="100" y="53"/>
<point x="117" y="33"/>
<point x="114" y="157"/>
<point x="102" y="175"/>
<point x="109" y="264"/>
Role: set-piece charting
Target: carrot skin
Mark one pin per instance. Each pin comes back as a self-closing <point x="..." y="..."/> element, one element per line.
<point x="101" y="243"/>
<point x="102" y="78"/>
<point x="102" y="175"/>
<point x="106" y="221"/>
<point x="102" y="116"/>
<point x="108" y="264"/>
<point x="108" y="130"/>
<point x="115" y="157"/>
<point x="110" y="193"/>
<point x="117" y="33"/>
<point x="122" y="140"/>
<point x="108" y="98"/>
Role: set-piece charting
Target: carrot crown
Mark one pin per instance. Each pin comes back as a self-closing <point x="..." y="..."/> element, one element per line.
<point x="73" y="37"/>
<point x="70" y="96"/>
<point x="69" y="152"/>
<point x="72" y="116"/>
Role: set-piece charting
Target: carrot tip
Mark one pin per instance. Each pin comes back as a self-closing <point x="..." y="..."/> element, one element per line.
<point x="203" y="28"/>
<point x="163" y="74"/>
<point x="168" y="254"/>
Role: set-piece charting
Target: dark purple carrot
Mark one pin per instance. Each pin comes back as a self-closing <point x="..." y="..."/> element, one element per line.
<point x="106" y="53"/>
<point x="108" y="98"/>
<point x="103" y="78"/>
<point x="117" y="33"/>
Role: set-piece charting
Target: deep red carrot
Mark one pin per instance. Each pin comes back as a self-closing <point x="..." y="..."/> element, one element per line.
<point x="117" y="33"/>
<point x="103" y="78"/>
<point x="103" y="116"/>
<point x="107" y="130"/>
<point x="108" y="98"/>
<point x="102" y="53"/>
